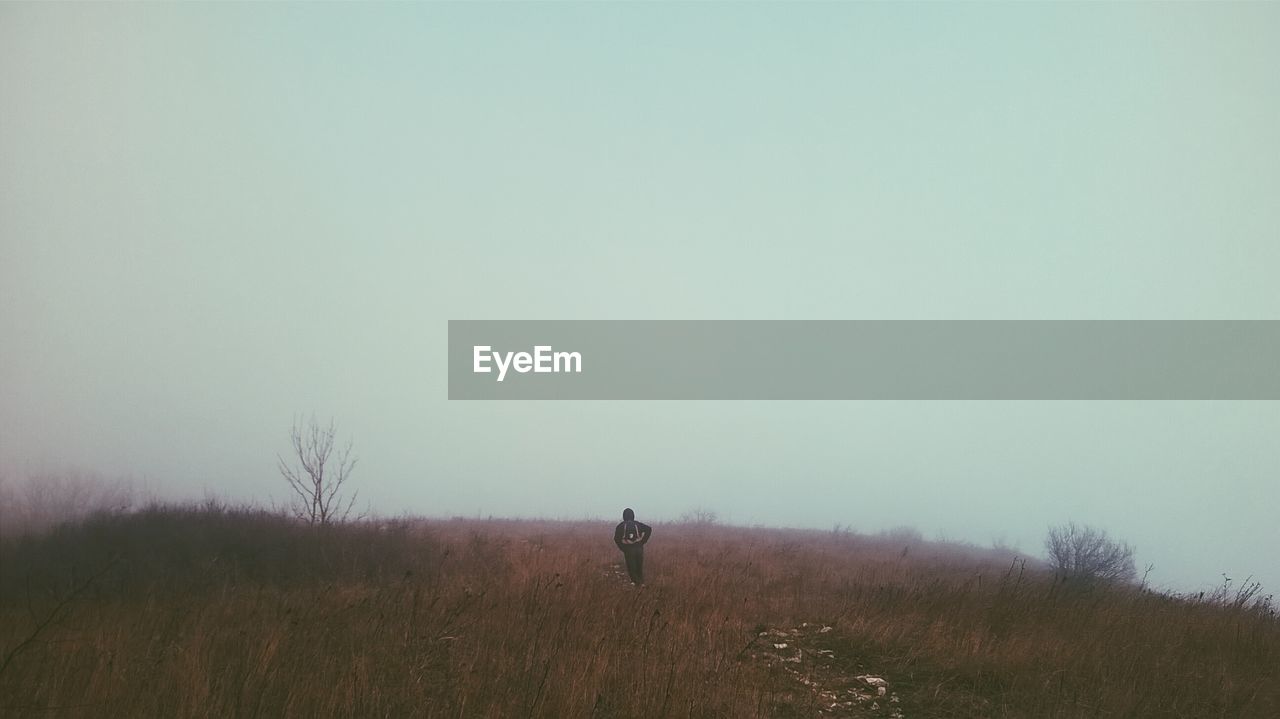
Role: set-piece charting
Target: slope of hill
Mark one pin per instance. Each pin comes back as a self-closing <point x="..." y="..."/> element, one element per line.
<point x="215" y="612"/>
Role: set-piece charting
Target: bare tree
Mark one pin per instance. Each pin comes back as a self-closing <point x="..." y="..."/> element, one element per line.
<point x="318" y="474"/>
<point x="1082" y="552"/>
<point x="700" y="516"/>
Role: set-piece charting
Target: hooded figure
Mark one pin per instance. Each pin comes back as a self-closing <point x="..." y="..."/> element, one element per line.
<point x="630" y="536"/>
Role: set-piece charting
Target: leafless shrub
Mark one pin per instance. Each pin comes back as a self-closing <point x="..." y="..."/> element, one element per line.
<point x="317" y="475"/>
<point x="41" y="501"/>
<point x="1087" y="553"/>
<point x="699" y="516"/>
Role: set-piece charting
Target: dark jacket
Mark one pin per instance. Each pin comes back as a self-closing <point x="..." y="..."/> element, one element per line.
<point x="630" y="533"/>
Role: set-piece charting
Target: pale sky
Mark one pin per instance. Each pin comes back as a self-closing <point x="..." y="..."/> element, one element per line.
<point x="213" y="217"/>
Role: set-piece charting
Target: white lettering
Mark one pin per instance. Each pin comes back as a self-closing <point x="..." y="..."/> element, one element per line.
<point x="571" y="360"/>
<point x="542" y="361"/>
<point x="503" y="362"/>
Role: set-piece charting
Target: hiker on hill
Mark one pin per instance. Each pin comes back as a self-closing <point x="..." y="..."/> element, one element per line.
<point x="630" y="536"/>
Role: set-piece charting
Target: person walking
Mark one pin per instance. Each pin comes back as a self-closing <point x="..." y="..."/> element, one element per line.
<point x="631" y="536"/>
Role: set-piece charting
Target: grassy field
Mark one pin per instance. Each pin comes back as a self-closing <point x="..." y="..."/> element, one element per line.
<point x="205" y="611"/>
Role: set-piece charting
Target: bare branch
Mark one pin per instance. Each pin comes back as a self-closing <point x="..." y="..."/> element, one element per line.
<point x="317" y="477"/>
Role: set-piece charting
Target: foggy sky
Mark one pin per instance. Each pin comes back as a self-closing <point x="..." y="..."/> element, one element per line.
<point x="215" y="217"/>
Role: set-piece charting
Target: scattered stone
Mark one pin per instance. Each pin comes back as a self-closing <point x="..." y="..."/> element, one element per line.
<point x="834" y="693"/>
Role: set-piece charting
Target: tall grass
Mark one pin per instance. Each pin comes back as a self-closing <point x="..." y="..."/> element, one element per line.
<point x="209" y="611"/>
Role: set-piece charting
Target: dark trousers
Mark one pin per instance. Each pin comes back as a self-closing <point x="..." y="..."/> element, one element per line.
<point x="635" y="563"/>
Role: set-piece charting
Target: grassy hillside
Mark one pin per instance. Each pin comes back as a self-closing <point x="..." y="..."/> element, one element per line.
<point x="214" y="612"/>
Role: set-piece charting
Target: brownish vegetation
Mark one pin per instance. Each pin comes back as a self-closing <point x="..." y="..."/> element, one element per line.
<point x="207" y="611"/>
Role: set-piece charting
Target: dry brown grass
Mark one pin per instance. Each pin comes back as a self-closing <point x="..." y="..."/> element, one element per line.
<point x="211" y="612"/>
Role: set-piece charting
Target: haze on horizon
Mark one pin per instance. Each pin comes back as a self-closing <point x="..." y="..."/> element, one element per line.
<point x="216" y="217"/>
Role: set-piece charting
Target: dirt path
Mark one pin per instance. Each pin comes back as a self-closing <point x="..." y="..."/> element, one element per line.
<point x="822" y="683"/>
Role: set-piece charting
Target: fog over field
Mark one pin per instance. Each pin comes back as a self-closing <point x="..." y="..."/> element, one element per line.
<point x="215" y="218"/>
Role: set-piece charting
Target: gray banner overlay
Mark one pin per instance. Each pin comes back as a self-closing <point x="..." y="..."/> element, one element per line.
<point x="820" y="359"/>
